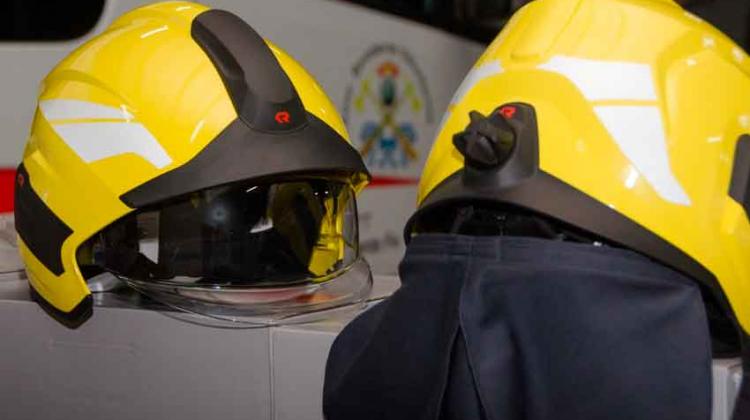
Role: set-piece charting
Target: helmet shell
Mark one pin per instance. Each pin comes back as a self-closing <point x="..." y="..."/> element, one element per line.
<point x="641" y="106"/>
<point x="134" y="103"/>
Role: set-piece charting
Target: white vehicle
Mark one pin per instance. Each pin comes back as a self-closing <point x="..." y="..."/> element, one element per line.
<point x="390" y="77"/>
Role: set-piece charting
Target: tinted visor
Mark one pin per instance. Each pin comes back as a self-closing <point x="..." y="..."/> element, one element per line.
<point x="242" y="244"/>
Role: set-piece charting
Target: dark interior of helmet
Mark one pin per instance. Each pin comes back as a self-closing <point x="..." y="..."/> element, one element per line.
<point x="478" y="218"/>
<point x="484" y="218"/>
<point x="247" y="234"/>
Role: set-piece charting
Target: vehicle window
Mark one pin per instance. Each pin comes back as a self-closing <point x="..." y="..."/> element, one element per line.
<point x="731" y="16"/>
<point x="433" y="12"/>
<point x="48" y="20"/>
<point x="480" y="20"/>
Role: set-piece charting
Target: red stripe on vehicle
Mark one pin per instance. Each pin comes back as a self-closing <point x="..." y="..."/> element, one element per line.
<point x="8" y="176"/>
<point x="390" y="181"/>
<point x="7" y="180"/>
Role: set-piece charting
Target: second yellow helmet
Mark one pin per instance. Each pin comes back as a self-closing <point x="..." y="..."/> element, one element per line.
<point x="626" y="119"/>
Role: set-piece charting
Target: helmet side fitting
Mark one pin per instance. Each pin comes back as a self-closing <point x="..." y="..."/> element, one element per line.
<point x="271" y="121"/>
<point x="261" y="92"/>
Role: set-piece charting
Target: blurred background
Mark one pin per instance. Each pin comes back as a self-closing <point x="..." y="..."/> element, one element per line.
<point x="480" y="20"/>
<point x="426" y="45"/>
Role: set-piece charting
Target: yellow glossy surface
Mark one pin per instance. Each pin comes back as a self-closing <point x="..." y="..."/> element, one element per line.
<point x="702" y="86"/>
<point x="147" y="64"/>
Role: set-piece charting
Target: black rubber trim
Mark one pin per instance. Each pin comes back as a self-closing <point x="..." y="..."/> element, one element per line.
<point x="40" y="229"/>
<point x="739" y="186"/>
<point x="551" y="197"/>
<point x="261" y="92"/>
<point x="521" y="183"/>
<point x="547" y="195"/>
<point x="240" y="153"/>
<point x="73" y="319"/>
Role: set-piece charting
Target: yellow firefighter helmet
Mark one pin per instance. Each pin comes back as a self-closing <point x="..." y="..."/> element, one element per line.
<point x="184" y="154"/>
<point x="625" y="119"/>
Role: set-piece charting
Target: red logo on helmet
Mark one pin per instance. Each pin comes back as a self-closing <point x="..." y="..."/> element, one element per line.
<point x="508" y="111"/>
<point x="21" y="180"/>
<point x="283" y="117"/>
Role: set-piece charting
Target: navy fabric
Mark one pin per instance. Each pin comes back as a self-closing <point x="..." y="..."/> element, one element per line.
<point x="507" y="328"/>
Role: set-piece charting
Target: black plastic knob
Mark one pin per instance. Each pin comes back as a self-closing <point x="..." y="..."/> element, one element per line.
<point x="487" y="142"/>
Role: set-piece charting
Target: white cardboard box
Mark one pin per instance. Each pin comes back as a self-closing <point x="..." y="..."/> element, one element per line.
<point x="134" y="363"/>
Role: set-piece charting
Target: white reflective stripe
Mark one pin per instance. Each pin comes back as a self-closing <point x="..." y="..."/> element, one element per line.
<point x="639" y="132"/>
<point x="71" y="109"/>
<point x="605" y="80"/>
<point x="475" y="76"/>
<point x="96" y="141"/>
